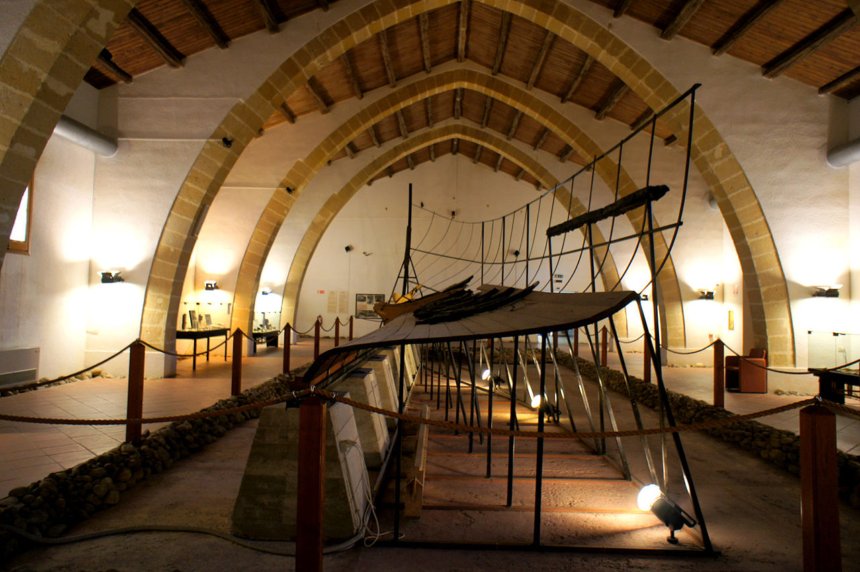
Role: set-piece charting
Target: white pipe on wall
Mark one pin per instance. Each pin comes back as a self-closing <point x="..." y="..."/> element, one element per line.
<point x="86" y="137"/>
<point x="844" y="155"/>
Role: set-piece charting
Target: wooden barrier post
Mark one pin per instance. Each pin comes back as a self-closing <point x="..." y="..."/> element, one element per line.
<point x="317" y="326"/>
<point x="555" y="342"/>
<point x="351" y="320"/>
<point x="311" y="485"/>
<point x="236" y="384"/>
<point x="604" y="346"/>
<point x="288" y="338"/>
<point x="134" y="410"/>
<point x="336" y="331"/>
<point x="819" y="490"/>
<point x="719" y="374"/>
<point x="646" y="361"/>
<point x="576" y="342"/>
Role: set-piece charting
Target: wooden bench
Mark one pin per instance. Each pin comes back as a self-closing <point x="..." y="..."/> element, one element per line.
<point x="415" y="474"/>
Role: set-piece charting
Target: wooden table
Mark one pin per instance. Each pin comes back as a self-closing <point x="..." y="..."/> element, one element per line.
<point x="203" y="334"/>
<point x="832" y="383"/>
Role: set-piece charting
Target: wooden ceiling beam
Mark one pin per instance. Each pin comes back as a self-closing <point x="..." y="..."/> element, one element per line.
<point x="150" y="35"/>
<point x="644" y="118"/>
<point x="589" y="61"/>
<point x="401" y="123"/>
<point x="566" y="155"/>
<point x="462" y="30"/>
<point x="432" y="149"/>
<point x="424" y="29"/>
<point x="514" y="124"/>
<point x="458" y="103"/>
<point x="106" y="59"/>
<point x="373" y="137"/>
<point x="498" y="163"/>
<point x="265" y="10"/>
<point x="488" y="107"/>
<point x="687" y="11"/>
<point x="287" y="113"/>
<point x="744" y="25"/>
<point x="455" y="146"/>
<point x="477" y="156"/>
<point x="207" y="22"/>
<point x="520" y="175"/>
<point x="611" y="101"/>
<point x="350" y="72"/>
<point x="840" y="81"/>
<point x="349" y="151"/>
<point x="542" y="139"/>
<point x="503" y="41"/>
<point x="621" y="8"/>
<point x="428" y="104"/>
<point x="386" y="58"/>
<point x="321" y="104"/>
<point x="411" y="162"/>
<point x="810" y="44"/>
<point x="544" y="50"/>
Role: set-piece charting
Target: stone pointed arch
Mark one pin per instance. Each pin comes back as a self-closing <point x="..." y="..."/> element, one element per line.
<point x="306" y="169"/>
<point x="336" y="202"/>
<point x="771" y="320"/>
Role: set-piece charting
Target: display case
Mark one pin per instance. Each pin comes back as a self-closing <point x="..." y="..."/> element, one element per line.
<point x="832" y="349"/>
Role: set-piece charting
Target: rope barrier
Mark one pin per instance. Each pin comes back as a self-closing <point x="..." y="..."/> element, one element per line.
<point x="631" y="341"/>
<point x="64" y="377"/>
<point x="692" y="352"/>
<point x="838" y="367"/>
<point x="198" y="354"/>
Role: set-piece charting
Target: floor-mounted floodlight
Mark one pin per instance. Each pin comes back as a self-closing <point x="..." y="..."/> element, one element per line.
<point x="536" y="401"/>
<point x="486" y="375"/>
<point x="673" y="516"/>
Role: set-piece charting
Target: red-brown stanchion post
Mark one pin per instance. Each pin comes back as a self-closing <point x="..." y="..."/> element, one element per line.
<point x="317" y="326"/>
<point x="719" y="374"/>
<point x="336" y="332"/>
<point x="646" y="362"/>
<point x="819" y="490"/>
<point x="236" y="385"/>
<point x="288" y="338"/>
<point x="134" y="410"/>
<point x="311" y="485"/>
<point x="604" y="346"/>
<point x="576" y="342"/>
<point x="351" y="320"/>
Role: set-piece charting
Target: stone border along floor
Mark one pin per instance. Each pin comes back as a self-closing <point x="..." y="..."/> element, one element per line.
<point x="49" y="507"/>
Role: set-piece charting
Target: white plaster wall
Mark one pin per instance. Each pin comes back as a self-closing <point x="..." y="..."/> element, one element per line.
<point x="43" y="295"/>
<point x="854" y="224"/>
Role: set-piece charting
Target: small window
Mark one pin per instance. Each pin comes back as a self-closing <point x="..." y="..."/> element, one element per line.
<point x="19" y="240"/>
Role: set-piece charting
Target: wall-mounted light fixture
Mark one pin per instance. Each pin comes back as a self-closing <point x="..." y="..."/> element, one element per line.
<point x="652" y="498"/>
<point x="453" y="214"/>
<point x="643" y="297"/>
<point x="706" y="294"/>
<point x="227" y="142"/>
<point x="289" y="190"/>
<point x="211" y="285"/>
<point x="516" y="253"/>
<point x="348" y="248"/>
<point x="109" y="277"/>
<point x="266" y="291"/>
<point x="831" y="291"/>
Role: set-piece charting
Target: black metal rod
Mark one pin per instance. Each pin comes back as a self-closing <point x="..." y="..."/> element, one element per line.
<point x="482" y="253"/>
<point x="447" y="384"/>
<point x="473" y="401"/>
<point x="503" y="251"/>
<point x="399" y="444"/>
<point x="528" y="241"/>
<point x="679" y="445"/>
<point x="539" y="468"/>
<point x="492" y="391"/>
<point x="513" y="420"/>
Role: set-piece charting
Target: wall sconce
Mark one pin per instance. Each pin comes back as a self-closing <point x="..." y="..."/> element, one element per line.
<point x="109" y="277"/>
<point x="652" y="498"/>
<point x="643" y="297"/>
<point x="827" y="291"/>
<point x="516" y="253"/>
<point x="266" y="291"/>
<point x="211" y="285"/>
<point x="348" y="248"/>
<point x="706" y="295"/>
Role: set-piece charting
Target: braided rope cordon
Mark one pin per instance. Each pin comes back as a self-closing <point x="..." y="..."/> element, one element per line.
<point x="174" y="354"/>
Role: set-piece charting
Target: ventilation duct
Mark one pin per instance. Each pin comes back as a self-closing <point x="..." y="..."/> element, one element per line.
<point x="844" y="155"/>
<point x="86" y="137"/>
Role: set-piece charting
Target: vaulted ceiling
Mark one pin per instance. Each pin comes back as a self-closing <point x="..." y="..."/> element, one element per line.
<point x="816" y="43"/>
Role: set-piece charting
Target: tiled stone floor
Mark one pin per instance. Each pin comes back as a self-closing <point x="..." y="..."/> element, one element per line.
<point x="29" y="452"/>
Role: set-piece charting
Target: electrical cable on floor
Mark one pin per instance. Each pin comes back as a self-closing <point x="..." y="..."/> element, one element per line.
<point x="343" y="546"/>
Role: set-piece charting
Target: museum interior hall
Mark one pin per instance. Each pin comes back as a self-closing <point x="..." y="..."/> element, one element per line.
<point x="430" y="285"/>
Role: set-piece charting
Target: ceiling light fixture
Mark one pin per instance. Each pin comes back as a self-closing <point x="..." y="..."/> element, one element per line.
<point x="110" y="277"/>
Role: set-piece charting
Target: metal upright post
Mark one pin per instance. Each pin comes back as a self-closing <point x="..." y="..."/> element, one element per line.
<point x="513" y="419"/>
<point x="503" y="251"/>
<point x="539" y="468"/>
<point x="482" y="253"/>
<point x="528" y="241"/>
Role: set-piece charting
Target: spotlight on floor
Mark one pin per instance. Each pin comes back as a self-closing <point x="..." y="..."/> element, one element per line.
<point x="673" y="516"/>
<point x="486" y="375"/>
<point x="536" y="401"/>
